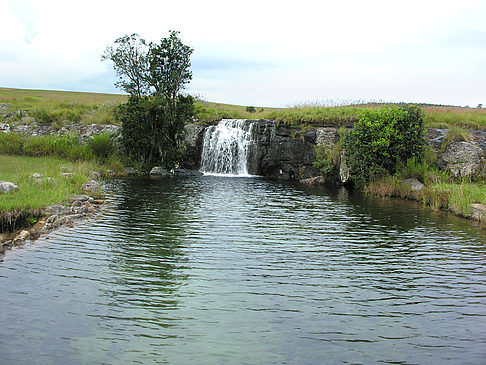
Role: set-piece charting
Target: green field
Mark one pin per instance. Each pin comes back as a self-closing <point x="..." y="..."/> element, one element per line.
<point x="59" y="107"/>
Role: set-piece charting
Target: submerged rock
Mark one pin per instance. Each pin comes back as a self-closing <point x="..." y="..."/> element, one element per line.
<point x="7" y="187"/>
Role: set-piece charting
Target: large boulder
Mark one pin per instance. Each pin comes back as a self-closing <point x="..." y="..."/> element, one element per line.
<point x="194" y="136"/>
<point x="327" y="136"/>
<point x="461" y="158"/>
<point x="286" y="153"/>
<point x="7" y="187"/>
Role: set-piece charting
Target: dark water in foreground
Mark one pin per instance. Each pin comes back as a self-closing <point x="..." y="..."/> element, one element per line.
<point x="244" y="270"/>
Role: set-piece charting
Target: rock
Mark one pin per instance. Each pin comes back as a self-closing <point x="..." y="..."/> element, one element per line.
<point x="283" y="152"/>
<point x="37" y="177"/>
<point x="159" y="171"/>
<point x="327" y="137"/>
<point x="40" y="178"/>
<point x="79" y="209"/>
<point x="57" y="209"/>
<point x="415" y="184"/>
<point x="67" y="175"/>
<point x="478" y="212"/>
<point x="80" y="198"/>
<point x="461" y="158"/>
<point x="314" y="181"/>
<point x="344" y="170"/>
<point x="129" y="171"/>
<point x="90" y="187"/>
<point x="193" y="140"/>
<point x="7" y="187"/>
<point x="95" y="176"/>
<point x="21" y="237"/>
<point x="185" y="172"/>
<point x="98" y="201"/>
<point x="434" y="137"/>
<point x="4" y="128"/>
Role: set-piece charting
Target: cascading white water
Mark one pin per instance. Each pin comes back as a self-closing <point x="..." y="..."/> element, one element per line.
<point x="227" y="147"/>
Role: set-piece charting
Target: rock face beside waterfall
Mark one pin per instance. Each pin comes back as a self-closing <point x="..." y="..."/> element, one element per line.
<point x="288" y="153"/>
<point x="270" y="150"/>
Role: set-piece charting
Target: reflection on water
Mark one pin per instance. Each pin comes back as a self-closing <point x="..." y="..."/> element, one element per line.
<point x="246" y="270"/>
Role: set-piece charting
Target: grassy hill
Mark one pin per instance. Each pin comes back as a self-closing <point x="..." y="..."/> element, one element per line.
<point x="51" y="107"/>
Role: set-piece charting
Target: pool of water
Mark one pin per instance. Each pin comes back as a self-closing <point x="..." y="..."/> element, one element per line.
<point x="214" y="270"/>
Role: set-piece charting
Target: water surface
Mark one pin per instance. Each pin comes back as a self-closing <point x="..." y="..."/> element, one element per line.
<point x="248" y="271"/>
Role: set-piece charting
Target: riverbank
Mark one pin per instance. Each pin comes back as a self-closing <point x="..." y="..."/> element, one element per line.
<point x="45" y="193"/>
<point x="464" y="199"/>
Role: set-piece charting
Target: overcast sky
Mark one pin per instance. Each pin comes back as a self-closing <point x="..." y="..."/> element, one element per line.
<point x="261" y="53"/>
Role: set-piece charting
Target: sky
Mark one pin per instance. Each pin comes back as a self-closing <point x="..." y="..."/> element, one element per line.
<point x="261" y="53"/>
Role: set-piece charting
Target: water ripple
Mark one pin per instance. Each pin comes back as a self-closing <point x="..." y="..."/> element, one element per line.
<point x="244" y="270"/>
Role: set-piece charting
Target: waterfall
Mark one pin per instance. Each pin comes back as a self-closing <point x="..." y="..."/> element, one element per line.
<point x="227" y="147"/>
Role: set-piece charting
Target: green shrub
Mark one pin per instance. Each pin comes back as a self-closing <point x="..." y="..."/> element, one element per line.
<point x="414" y="169"/>
<point x="101" y="145"/>
<point x="153" y="131"/>
<point x="382" y="140"/>
<point x="69" y="147"/>
<point x="44" y="116"/>
<point x="11" y="143"/>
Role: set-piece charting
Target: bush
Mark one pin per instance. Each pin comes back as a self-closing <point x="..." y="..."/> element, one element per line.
<point x="69" y="147"/>
<point x="11" y="143"/>
<point x="382" y="140"/>
<point x="101" y="145"/>
<point x="152" y="133"/>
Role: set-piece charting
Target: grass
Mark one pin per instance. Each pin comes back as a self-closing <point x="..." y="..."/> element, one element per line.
<point x="32" y="195"/>
<point x="441" y="192"/>
<point x="59" y="107"/>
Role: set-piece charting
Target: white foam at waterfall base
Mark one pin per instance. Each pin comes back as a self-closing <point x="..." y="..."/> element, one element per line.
<point x="227" y="147"/>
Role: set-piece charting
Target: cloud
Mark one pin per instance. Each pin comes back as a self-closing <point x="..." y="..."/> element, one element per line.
<point x="259" y="52"/>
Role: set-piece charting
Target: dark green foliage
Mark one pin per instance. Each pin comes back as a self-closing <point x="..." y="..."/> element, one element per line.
<point x="383" y="139"/>
<point x="250" y="109"/>
<point x="153" y="119"/>
<point x="149" y="136"/>
<point x="169" y="64"/>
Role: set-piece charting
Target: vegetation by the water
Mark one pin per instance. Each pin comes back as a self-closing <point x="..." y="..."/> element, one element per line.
<point x="381" y="140"/>
<point x="54" y="188"/>
<point x="98" y="149"/>
<point x="441" y="192"/>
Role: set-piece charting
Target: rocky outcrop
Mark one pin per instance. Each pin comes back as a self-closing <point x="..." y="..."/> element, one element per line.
<point x="461" y="158"/>
<point x="194" y="135"/>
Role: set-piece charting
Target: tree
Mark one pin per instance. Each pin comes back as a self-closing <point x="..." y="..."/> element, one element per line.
<point x="130" y="62"/>
<point x="154" y="75"/>
<point x="169" y="64"/>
